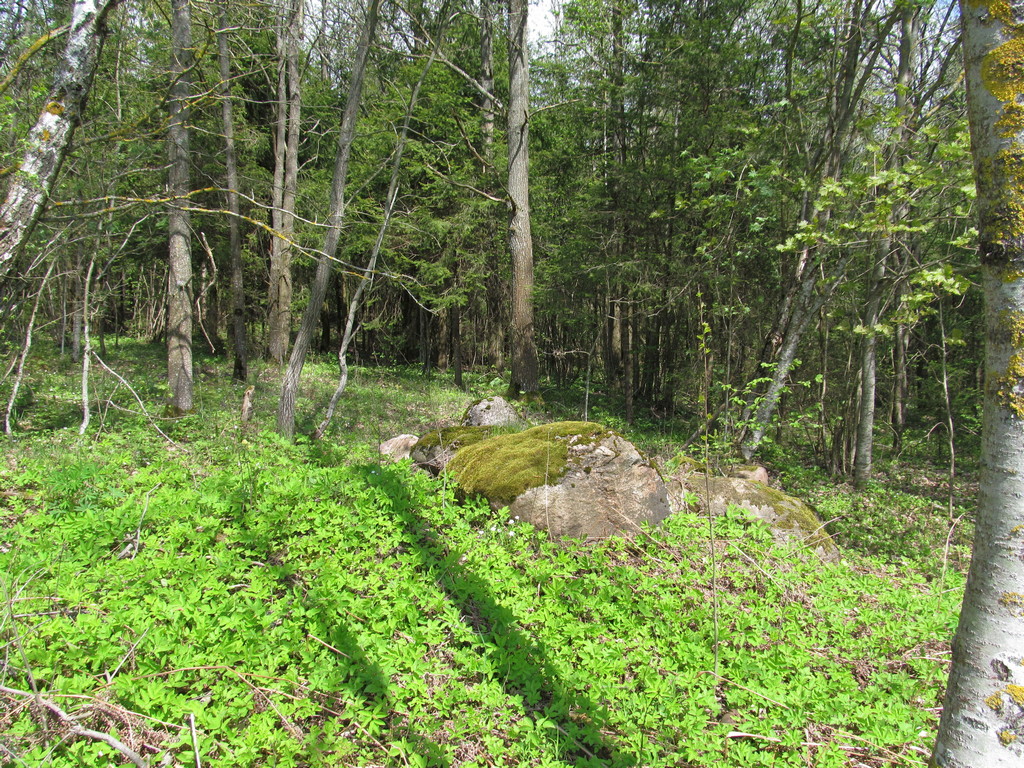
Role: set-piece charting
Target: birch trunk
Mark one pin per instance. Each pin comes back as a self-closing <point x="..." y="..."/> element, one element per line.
<point x="179" y="274"/>
<point x="983" y="719"/>
<point x="322" y="279"/>
<point x="520" y="241"/>
<point x="49" y="139"/>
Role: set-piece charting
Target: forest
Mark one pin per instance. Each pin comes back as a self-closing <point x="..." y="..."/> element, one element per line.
<point x="243" y="243"/>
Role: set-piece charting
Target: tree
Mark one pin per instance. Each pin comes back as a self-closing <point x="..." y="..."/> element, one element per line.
<point x="286" y="171"/>
<point x="322" y="279"/>
<point x="983" y="719"/>
<point x="239" y="342"/>
<point x="179" y="273"/>
<point x="49" y="140"/>
<point x="520" y="238"/>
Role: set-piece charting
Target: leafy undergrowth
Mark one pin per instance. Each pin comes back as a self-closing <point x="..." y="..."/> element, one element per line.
<point x="238" y="601"/>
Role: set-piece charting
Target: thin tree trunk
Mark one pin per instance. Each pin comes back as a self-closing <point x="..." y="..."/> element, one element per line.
<point x="525" y="377"/>
<point x="179" y="276"/>
<point x="369" y="273"/>
<point x="321" y="282"/>
<point x="869" y="371"/>
<point x="286" y="169"/>
<point x="78" y="309"/>
<point x="900" y="387"/>
<point x="87" y="352"/>
<point x="808" y="304"/>
<point x="239" y="342"/>
<point x="48" y="141"/>
<point x="627" y="363"/>
<point x="19" y="371"/>
<point x="487" y="79"/>
<point x="984" y="705"/>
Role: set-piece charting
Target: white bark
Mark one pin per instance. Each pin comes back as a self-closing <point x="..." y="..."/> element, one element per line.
<point x="48" y="141"/>
<point x="983" y="719"/>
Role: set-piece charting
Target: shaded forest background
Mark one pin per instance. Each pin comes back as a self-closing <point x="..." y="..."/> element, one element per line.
<point x="746" y="213"/>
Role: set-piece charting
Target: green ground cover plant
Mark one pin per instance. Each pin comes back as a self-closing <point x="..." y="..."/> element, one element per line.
<point x="235" y="600"/>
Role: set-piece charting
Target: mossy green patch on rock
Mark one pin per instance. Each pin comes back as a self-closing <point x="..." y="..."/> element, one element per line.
<point x="787" y="515"/>
<point x="454" y="437"/>
<point x="505" y="466"/>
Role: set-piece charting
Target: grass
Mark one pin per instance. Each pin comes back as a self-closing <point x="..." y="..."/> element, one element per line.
<point x="234" y="600"/>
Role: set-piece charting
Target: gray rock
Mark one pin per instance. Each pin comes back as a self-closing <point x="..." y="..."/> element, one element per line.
<point x="753" y="472"/>
<point x="573" y="479"/>
<point x="788" y="517"/>
<point x="398" y="448"/>
<point x="492" y="412"/>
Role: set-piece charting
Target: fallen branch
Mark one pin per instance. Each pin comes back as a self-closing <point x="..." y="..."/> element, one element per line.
<point x="65" y="719"/>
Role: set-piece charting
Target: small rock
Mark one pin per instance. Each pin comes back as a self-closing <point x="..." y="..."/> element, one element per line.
<point x="492" y="412"/>
<point x="753" y="472"/>
<point x="398" y="448"/>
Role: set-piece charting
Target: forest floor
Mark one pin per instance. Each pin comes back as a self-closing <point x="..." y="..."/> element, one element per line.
<point x="196" y="592"/>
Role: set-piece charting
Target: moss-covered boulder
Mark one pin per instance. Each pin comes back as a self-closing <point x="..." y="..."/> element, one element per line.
<point x="434" y="450"/>
<point x="493" y="412"/>
<point x="574" y="479"/>
<point x="788" y="517"/>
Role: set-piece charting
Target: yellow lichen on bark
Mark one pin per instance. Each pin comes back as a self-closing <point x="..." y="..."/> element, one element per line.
<point x="1007" y="737"/>
<point x="1010" y="385"/>
<point x="1014" y="601"/>
<point x="995" y="702"/>
<point x="1002" y="73"/>
<point x="1016" y="693"/>
<point x="55" y="108"/>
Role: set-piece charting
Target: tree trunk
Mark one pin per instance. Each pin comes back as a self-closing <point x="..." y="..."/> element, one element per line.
<point x="370" y="271"/>
<point x="48" y="141"/>
<point x="525" y="377"/>
<point x="179" y="275"/>
<point x="869" y="358"/>
<point x="19" y="369"/>
<point x="239" y="342"/>
<point x="869" y="371"/>
<point x="487" y="80"/>
<point x="322" y="279"/>
<point x="900" y="387"/>
<point x="983" y="719"/>
<point x="806" y="307"/>
<point x="87" y="350"/>
<point x="286" y="171"/>
<point x="77" y="313"/>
